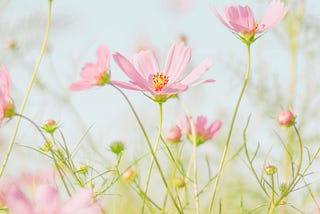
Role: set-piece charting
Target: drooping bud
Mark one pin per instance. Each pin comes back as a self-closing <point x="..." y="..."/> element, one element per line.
<point x="50" y="126"/>
<point x="286" y="118"/>
<point x="271" y="169"/>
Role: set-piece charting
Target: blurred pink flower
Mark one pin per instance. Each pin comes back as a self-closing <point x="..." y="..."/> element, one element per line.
<point x="203" y="133"/>
<point x="82" y="202"/>
<point x="6" y="106"/>
<point x="286" y="118"/>
<point x="46" y="200"/>
<point x="36" y="178"/>
<point x="241" y="20"/>
<point x="94" y="74"/>
<point x="173" y="135"/>
<point x="145" y="74"/>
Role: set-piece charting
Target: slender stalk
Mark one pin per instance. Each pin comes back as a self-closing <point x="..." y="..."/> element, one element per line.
<point x="293" y="182"/>
<point x="26" y="96"/>
<point x="46" y="140"/>
<point x="224" y="155"/>
<point x="152" y="159"/>
<point x="195" y="171"/>
<point x="149" y="146"/>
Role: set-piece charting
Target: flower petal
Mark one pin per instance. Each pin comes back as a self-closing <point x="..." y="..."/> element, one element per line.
<point x="17" y="202"/>
<point x="90" y="72"/>
<point x="214" y="129"/>
<point x="125" y="85"/>
<point x="127" y="68"/>
<point x="177" y="60"/>
<point x="146" y="63"/>
<point x="103" y="57"/>
<point x="81" y="85"/>
<point x="194" y="75"/>
<point x="46" y="200"/>
<point x="240" y="18"/>
<point x="275" y="13"/>
<point x="221" y="19"/>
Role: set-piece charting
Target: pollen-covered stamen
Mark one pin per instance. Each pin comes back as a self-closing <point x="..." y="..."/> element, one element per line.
<point x="159" y="81"/>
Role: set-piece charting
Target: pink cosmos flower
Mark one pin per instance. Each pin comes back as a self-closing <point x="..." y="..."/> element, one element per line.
<point x="6" y="106"/>
<point x="46" y="200"/>
<point x="146" y="76"/>
<point x="94" y="74"/>
<point x="240" y="19"/>
<point x="174" y="135"/>
<point x="203" y="133"/>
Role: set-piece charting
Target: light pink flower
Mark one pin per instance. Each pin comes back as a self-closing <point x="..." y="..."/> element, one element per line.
<point x="203" y="133"/>
<point x="240" y="19"/>
<point x="6" y="106"/>
<point x="146" y="76"/>
<point x="46" y="200"/>
<point x="94" y="74"/>
<point x="82" y="202"/>
<point x="174" y="135"/>
<point x="286" y="118"/>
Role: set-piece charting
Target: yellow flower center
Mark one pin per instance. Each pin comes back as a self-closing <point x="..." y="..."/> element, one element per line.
<point x="103" y="79"/>
<point x="159" y="81"/>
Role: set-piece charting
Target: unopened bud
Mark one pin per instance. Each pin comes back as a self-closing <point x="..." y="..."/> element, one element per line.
<point x="129" y="175"/>
<point x="83" y="169"/>
<point x="179" y="182"/>
<point x="50" y="126"/>
<point x="286" y="118"/>
<point x="271" y="169"/>
<point x="47" y="146"/>
<point x="117" y="147"/>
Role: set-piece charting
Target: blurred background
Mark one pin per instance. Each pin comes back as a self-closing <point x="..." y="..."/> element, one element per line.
<point x="285" y="74"/>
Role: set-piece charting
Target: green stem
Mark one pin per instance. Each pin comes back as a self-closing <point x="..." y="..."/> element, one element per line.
<point x="26" y="96"/>
<point x="293" y="182"/>
<point x="224" y="155"/>
<point x="152" y="159"/>
<point x="46" y="140"/>
<point x="149" y="146"/>
<point x="195" y="171"/>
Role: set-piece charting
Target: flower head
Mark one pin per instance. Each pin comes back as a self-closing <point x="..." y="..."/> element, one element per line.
<point x="94" y="74"/>
<point x="6" y="105"/>
<point x="286" y="118"/>
<point x="203" y="133"/>
<point x="240" y="19"/>
<point x="46" y="200"/>
<point x="146" y="76"/>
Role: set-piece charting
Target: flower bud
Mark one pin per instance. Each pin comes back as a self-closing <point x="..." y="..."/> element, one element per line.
<point x="47" y="146"/>
<point x="179" y="182"/>
<point x="117" y="147"/>
<point x="174" y="135"/>
<point x="11" y="44"/>
<point x="50" y="126"/>
<point x="271" y="170"/>
<point x="286" y="118"/>
<point x="83" y="169"/>
<point x="129" y="175"/>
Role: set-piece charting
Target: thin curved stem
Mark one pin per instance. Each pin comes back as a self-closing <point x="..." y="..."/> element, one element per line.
<point x="149" y="146"/>
<point x="26" y="96"/>
<point x="52" y="154"/>
<point x="226" y="148"/>
<point x="293" y="182"/>
<point x="152" y="159"/>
